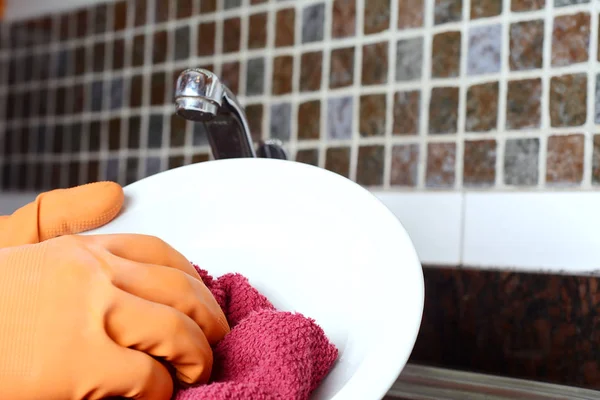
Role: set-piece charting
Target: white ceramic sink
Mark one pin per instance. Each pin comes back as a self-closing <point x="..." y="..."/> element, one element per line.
<point x="310" y="240"/>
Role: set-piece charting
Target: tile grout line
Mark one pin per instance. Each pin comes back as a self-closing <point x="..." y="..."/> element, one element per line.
<point x="462" y="96"/>
<point x="425" y="94"/>
<point x="389" y="101"/>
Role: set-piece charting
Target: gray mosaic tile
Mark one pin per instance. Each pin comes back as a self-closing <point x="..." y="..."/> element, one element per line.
<point x="485" y="49"/>
<point x="182" y="43"/>
<point x="409" y="59"/>
<point x="521" y="162"/>
<point x="281" y="118"/>
<point x="153" y="166"/>
<point x="232" y="4"/>
<point x="255" y="76"/>
<point x="199" y="137"/>
<point x="116" y="93"/>
<point x="597" y="105"/>
<point x="339" y="118"/>
<point x="155" y="131"/>
<point x="96" y="95"/>
<point x="112" y="169"/>
<point x="564" y="3"/>
<point x="63" y="63"/>
<point x="313" y="21"/>
<point x="447" y="11"/>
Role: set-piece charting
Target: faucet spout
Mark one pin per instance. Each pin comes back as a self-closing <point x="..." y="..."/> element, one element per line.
<point x="201" y="97"/>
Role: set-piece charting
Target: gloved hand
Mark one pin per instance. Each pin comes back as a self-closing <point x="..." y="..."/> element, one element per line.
<point x="89" y="316"/>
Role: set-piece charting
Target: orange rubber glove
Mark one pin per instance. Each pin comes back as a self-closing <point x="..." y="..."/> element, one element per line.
<point x="88" y="317"/>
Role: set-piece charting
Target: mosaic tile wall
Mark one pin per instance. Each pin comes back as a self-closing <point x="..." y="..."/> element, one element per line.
<point x="395" y="94"/>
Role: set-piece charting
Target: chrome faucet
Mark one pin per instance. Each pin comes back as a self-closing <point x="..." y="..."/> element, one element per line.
<point x="201" y="97"/>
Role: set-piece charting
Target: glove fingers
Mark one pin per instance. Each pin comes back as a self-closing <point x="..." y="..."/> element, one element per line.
<point x="78" y="209"/>
<point x="135" y="375"/>
<point x="172" y="288"/>
<point x="144" y="249"/>
<point x="161" y="332"/>
<point x="62" y="212"/>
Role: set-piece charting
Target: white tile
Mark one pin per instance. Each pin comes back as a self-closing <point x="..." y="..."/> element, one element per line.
<point x="544" y="231"/>
<point x="432" y="220"/>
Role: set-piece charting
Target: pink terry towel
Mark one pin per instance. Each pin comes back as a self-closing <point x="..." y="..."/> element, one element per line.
<point x="268" y="354"/>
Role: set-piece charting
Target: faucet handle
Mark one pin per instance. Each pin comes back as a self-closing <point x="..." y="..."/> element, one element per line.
<point x="272" y="148"/>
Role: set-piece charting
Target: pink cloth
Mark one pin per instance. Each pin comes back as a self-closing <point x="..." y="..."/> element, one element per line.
<point x="268" y="354"/>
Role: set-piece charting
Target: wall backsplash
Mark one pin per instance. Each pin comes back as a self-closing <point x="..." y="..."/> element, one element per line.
<point x="395" y="94"/>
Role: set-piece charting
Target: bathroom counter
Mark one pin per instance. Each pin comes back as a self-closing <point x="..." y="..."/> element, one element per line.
<point x="418" y="382"/>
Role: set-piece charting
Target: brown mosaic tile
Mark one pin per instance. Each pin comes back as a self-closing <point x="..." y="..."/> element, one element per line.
<point x="485" y="8"/>
<point x="138" y="51"/>
<point x="441" y="158"/>
<point x="120" y="16"/>
<point x="200" y="157"/>
<point x="375" y="63"/>
<point x="337" y="159"/>
<point x="176" y="162"/>
<point x="159" y="47"/>
<point x="377" y="16"/>
<point x="208" y="6"/>
<point x="596" y="160"/>
<point x="341" y="71"/>
<point x="343" y="19"/>
<point x="230" y="74"/>
<point x="482" y="107"/>
<point x="310" y="71"/>
<point x="254" y="114"/>
<point x="284" y="28"/>
<point x="283" y="69"/>
<point x="161" y="11"/>
<point x="372" y="115"/>
<point x="479" y="163"/>
<point x="65" y="27"/>
<point x="140" y="12"/>
<point x="98" y="57"/>
<point x="137" y="91"/>
<point x="527" y="5"/>
<point x="447" y="11"/>
<point x="80" y="61"/>
<point x="93" y="169"/>
<point x="570" y="39"/>
<point x="118" y="59"/>
<point x="309" y="120"/>
<point x="523" y="104"/>
<point x="564" y="161"/>
<point x="231" y="35"/>
<point x="405" y="165"/>
<point x="114" y="134"/>
<point x="257" y="31"/>
<point x="568" y="99"/>
<point x="526" y="45"/>
<point x="443" y="110"/>
<point x="205" y="41"/>
<point x="406" y="112"/>
<point x="308" y="156"/>
<point x="184" y="8"/>
<point x="81" y="23"/>
<point x="445" y="55"/>
<point x="158" y="88"/>
<point x="410" y="13"/>
<point x="177" y="131"/>
<point x="369" y="170"/>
